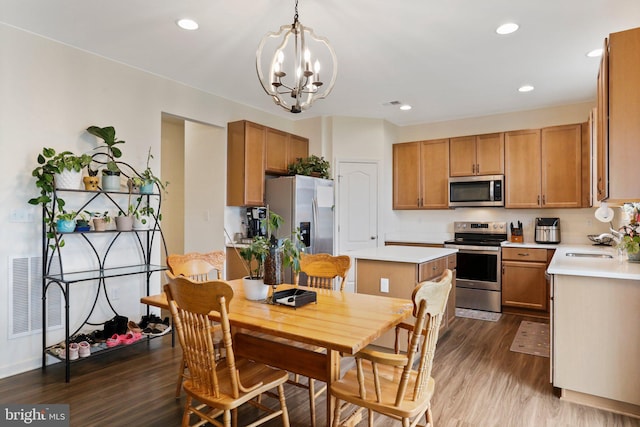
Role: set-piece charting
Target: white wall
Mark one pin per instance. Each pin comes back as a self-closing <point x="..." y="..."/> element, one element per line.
<point x="50" y="94"/>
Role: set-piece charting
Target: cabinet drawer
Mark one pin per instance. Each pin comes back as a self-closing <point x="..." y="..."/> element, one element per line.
<point x="432" y="269"/>
<point x="524" y="254"/>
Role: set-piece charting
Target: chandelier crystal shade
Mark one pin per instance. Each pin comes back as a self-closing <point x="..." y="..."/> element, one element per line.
<point x="292" y="74"/>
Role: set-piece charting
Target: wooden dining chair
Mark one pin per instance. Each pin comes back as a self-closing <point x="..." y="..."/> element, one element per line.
<point x="322" y="270"/>
<point x="198" y="267"/>
<point x="218" y="387"/>
<point x="388" y="383"/>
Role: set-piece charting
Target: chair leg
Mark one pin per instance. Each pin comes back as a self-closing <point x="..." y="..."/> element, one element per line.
<point x="429" y="417"/>
<point x="283" y="406"/>
<point x="336" y="410"/>
<point x="180" y="377"/>
<point x="187" y="412"/>
<point x="370" y="417"/>
<point x="312" y="401"/>
<point x="226" y="417"/>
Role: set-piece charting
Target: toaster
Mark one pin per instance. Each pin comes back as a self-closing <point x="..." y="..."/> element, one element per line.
<point x="547" y="230"/>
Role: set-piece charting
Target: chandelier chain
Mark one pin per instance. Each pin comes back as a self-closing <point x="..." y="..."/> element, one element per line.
<point x="295" y="17"/>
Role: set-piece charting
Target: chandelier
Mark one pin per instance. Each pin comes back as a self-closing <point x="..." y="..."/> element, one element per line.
<point x="293" y="73"/>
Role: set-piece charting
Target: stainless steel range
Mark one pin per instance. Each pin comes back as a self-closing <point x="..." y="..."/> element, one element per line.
<point x="478" y="280"/>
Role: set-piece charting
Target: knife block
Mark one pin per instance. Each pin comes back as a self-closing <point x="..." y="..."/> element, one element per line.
<point x="517" y="239"/>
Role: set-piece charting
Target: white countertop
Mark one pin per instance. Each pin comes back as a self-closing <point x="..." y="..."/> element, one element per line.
<point x="413" y="237"/>
<point x="410" y="254"/>
<point x="612" y="268"/>
<point x="508" y="244"/>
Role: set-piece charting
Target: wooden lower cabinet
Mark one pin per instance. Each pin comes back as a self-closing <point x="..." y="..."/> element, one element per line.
<point x="403" y="278"/>
<point x="525" y="288"/>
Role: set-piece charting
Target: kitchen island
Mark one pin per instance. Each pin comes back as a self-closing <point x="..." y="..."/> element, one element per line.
<point x="394" y="271"/>
<point x="595" y="320"/>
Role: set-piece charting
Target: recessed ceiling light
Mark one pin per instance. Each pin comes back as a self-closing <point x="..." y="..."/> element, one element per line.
<point x="595" y="53"/>
<point x="405" y="107"/>
<point x="187" y="24"/>
<point x="525" y="88"/>
<point x="507" y="28"/>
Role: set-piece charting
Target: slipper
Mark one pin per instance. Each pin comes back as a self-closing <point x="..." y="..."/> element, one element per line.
<point x="113" y="341"/>
<point x="160" y="329"/>
<point x="133" y="326"/>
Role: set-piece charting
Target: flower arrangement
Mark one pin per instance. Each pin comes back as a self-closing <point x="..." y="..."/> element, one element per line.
<point x="630" y="240"/>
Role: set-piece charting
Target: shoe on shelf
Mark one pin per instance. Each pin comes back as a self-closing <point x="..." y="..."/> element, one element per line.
<point x="73" y="351"/>
<point x="113" y="341"/>
<point x="84" y="349"/>
<point x="133" y="327"/>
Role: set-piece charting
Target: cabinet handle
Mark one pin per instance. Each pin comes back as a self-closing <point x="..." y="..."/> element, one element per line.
<point x="521" y="254"/>
<point x="538" y="200"/>
<point x="418" y="201"/>
<point x="543" y="201"/>
<point x="473" y="168"/>
<point x="478" y="168"/>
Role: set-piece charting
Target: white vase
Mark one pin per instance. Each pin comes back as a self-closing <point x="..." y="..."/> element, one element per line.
<point x="68" y="180"/>
<point x="144" y="222"/>
<point x="254" y="289"/>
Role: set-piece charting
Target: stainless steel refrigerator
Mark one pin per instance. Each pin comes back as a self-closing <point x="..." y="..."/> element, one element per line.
<point x="307" y="203"/>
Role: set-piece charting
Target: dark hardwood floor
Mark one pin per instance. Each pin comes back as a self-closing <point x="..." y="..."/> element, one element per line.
<point x="479" y="382"/>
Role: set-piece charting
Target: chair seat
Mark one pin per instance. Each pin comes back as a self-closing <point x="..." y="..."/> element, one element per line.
<point x="251" y="373"/>
<point x="347" y="389"/>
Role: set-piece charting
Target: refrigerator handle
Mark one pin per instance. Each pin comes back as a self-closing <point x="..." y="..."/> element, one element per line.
<point x="314" y="231"/>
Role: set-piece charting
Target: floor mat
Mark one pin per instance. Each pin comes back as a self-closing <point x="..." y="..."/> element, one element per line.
<point x="532" y="338"/>
<point x="478" y="314"/>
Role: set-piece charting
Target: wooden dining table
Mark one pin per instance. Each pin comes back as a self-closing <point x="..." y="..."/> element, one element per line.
<point x="289" y="338"/>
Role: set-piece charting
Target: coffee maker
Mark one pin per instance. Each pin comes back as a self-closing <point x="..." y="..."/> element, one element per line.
<point x="256" y="224"/>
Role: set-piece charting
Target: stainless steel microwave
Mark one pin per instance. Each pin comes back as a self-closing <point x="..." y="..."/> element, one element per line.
<point x="470" y="191"/>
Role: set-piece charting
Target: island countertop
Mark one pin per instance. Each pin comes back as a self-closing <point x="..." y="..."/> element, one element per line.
<point x="409" y="254"/>
<point x="613" y="268"/>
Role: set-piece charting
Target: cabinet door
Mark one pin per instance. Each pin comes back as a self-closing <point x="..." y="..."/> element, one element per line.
<point x="245" y="163"/>
<point x="406" y="175"/>
<point x="276" y="151"/>
<point x="462" y="156"/>
<point x="602" y="124"/>
<point x="562" y="166"/>
<point x="254" y="164"/>
<point x="522" y="169"/>
<point x="298" y="148"/>
<point x="434" y="159"/>
<point x="624" y="115"/>
<point x="490" y="154"/>
<point x="524" y="285"/>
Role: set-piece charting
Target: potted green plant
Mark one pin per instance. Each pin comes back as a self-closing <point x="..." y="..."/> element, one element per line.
<point x="148" y="179"/>
<point x="111" y="174"/>
<point x="630" y="240"/>
<point x="310" y="166"/>
<point x="65" y="222"/>
<point x="100" y="220"/>
<point x="82" y="222"/>
<point x="143" y="218"/>
<point x="254" y="255"/>
<point x="124" y="220"/>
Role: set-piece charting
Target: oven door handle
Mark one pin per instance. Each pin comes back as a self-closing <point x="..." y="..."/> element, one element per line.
<point x="470" y="249"/>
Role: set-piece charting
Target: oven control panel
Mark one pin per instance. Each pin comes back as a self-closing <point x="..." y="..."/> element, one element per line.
<point x="479" y="227"/>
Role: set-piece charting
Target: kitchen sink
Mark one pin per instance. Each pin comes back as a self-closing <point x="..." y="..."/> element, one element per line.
<point x="588" y="255"/>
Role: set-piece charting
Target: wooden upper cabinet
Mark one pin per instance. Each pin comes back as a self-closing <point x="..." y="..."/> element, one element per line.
<point x="282" y="149"/>
<point x="246" y="143"/>
<point x="602" y="127"/>
<point x="434" y="159"/>
<point x="544" y="168"/>
<point x="276" y="151"/>
<point x="298" y="148"/>
<point x="406" y="175"/>
<point x="522" y="169"/>
<point x="477" y="155"/>
<point x="620" y="101"/>
<point x="421" y="174"/>
<point x="562" y="166"/>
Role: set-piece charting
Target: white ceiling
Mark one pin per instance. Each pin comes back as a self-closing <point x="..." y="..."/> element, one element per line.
<point x="442" y="57"/>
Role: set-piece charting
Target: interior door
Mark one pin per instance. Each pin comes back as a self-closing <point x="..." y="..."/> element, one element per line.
<point x="357" y="214"/>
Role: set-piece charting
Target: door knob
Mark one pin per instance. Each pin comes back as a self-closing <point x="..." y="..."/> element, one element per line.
<point x="373" y="237"/>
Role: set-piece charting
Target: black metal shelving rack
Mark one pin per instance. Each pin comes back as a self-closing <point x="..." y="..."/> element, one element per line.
<point x="66" y="280"/>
